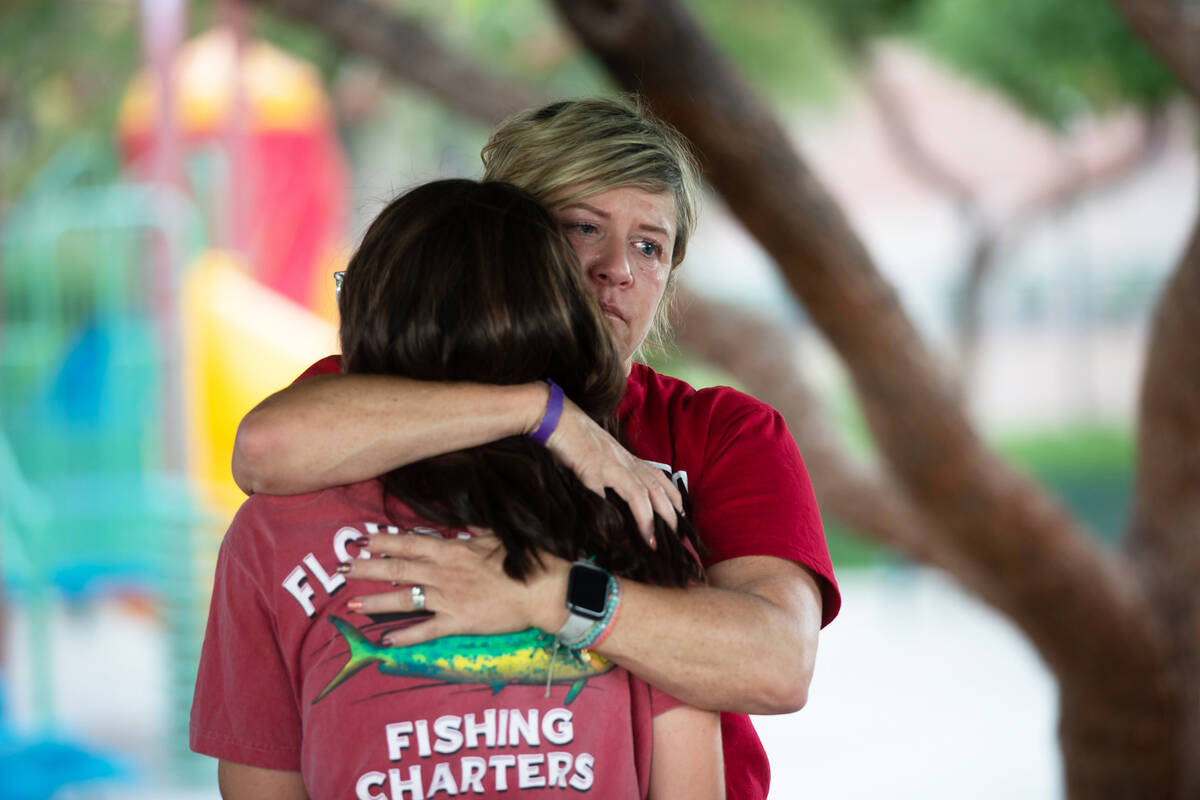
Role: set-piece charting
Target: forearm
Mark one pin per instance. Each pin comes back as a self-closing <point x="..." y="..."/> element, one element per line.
<point x="243" y="782"/>
<point x="336" y="429"/>
<point x="746" y="644"/>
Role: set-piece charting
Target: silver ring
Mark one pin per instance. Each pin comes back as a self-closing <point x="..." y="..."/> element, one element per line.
<point x="418" y="598"/>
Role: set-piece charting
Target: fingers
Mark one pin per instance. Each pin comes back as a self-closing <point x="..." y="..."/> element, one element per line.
<point x="663" y="505"/>
<point x="393" y="602"/>
<point x="643" y="513"/>
<point x="407" y="545"/>
<point x="435" y="628"/>
<point x="396" y="570"/>
<point x="670" y="491"/>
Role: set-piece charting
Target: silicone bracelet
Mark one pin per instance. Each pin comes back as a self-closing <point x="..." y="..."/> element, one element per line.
<point x="609" y="621"/>
<point x="601" y="627"/>
<point x="554" y="407"/>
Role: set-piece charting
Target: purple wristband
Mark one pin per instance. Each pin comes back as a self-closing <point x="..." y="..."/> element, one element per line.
<point x="550" y="419"/>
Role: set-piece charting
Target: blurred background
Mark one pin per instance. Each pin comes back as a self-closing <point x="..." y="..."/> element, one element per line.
<point x="178" y="181"/>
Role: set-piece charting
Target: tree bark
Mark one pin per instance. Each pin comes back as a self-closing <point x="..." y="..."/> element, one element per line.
<point x="1164" y="530"/>
<point x="1083" y="609"/>
<point x="858" y="494"/>
<point x="1071" y="183"/>
<point x="406" y="49"/>
<point x="1172" y="29"/>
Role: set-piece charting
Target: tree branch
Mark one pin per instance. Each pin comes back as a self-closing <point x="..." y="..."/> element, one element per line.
<point x="1066" y="187"/>
<point x="1031" y="558"/>
<point x="1172" y="29"/>
<point x="1164" y="529"/>
<point x="408" y="51"/>
<point x="759" y="353"/>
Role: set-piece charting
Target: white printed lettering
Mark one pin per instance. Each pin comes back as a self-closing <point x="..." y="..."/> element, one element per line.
<point x="583" y="778"/>
<point x="524" y="728"/>
<point x="557" y="727"/>
<point x="502" y="729"/>
<point x="679" y="478"/>
<point x="331" y="584"/>
<point x="558" y="766"/>
<point x="528" y="776"/>
<point x="449" y="737"/>
<point x="473" y="770"/>
<point x="500" y="765"/>
<point x="343" y="537"/>
<point x="368" y="781"/>
<point x="442" y="781"/>
<point x="423" y="738"/>
<point x="396" y="738"/>
<point x="297" y="586"/>
<point x="472" y="729"/>
<point x="413" y="784"/>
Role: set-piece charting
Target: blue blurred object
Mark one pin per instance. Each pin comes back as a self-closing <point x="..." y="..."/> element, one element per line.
<point x="79" y="388"/>
<point x="36" y="768"/>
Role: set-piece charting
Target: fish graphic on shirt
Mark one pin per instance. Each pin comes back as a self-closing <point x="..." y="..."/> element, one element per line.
<point x="526" y="657"/>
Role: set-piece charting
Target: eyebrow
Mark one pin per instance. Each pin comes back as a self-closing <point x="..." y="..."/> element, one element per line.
<point x="606" y="215"/>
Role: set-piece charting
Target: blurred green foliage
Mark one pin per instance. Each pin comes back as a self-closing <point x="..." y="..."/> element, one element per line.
<point x="61" y="67"/>
<point x="64" y="63"/>
<point x="1054" y="58"/>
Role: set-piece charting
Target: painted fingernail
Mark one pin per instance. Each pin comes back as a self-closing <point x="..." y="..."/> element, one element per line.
<point x="363" y="541"/>
<point x="354" y="605"/>
<point x="653" y="543"/>
<point x="386" y="641"/>
<point x="343" y="568"/>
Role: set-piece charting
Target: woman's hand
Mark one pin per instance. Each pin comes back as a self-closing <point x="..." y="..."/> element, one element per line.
<point x="601" y="463"/>
<point x="464" y="584"/>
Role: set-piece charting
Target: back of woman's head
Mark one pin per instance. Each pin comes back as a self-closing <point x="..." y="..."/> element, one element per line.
<point x="464" y="281"/>
<point x="458" y="280"/>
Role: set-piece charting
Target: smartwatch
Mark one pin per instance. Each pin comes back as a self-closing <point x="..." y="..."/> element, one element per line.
<point x="588" y="589"/>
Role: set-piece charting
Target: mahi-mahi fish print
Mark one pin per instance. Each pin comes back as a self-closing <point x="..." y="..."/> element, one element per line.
<point x="496" y="660"/>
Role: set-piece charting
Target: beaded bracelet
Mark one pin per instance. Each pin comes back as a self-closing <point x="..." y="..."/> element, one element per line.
<point x="554" y="408"/>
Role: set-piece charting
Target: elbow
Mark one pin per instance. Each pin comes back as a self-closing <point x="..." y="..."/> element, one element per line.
<point x="252" y="449"/>
<point x="780" y="685"/>
<point x="786" y="693"/>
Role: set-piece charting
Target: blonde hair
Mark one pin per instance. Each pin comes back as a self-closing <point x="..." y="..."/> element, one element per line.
<point x="598" y="144"/>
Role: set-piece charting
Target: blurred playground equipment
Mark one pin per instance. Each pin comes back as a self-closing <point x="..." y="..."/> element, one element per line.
<point x="154" y="290"/>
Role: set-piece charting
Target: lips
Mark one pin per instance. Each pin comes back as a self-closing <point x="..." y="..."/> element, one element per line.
<point x="610" y="310"/>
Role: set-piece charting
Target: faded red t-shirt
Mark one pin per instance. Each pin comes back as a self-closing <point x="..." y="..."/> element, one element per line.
<point x="749" y="494"/>
<point x="290" y="679"/>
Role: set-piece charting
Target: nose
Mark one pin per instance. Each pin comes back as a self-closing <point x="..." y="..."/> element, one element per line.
<point x="610" y="265"/>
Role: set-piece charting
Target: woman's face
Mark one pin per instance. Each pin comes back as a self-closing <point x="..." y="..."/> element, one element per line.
<point x="624" y="238"/>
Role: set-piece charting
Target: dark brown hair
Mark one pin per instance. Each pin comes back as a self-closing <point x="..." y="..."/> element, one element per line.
<point x="464" y="281"/>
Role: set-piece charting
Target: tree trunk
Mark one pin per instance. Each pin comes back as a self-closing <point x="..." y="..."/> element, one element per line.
<point x="1083" y="608"/>
<point x="1164" y="531"/>
<point x="404" y="47"/>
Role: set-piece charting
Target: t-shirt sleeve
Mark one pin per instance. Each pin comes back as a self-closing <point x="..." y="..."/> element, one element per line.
<point x="244" y="709"/>
<point x="329" y="365"/>
<point x="661" y="702"/>
<point x="755" y="496"/>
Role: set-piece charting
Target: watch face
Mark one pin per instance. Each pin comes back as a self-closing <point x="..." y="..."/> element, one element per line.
<point x="587" y="591"/>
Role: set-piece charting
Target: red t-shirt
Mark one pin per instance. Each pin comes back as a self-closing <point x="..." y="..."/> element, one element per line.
<point x="290" y="679"/>
<point x="750" y="495"/>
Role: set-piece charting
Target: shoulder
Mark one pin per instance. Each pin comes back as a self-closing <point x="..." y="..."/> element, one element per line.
<point x="264" y="521"/>
<point x="715" y="408"/>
